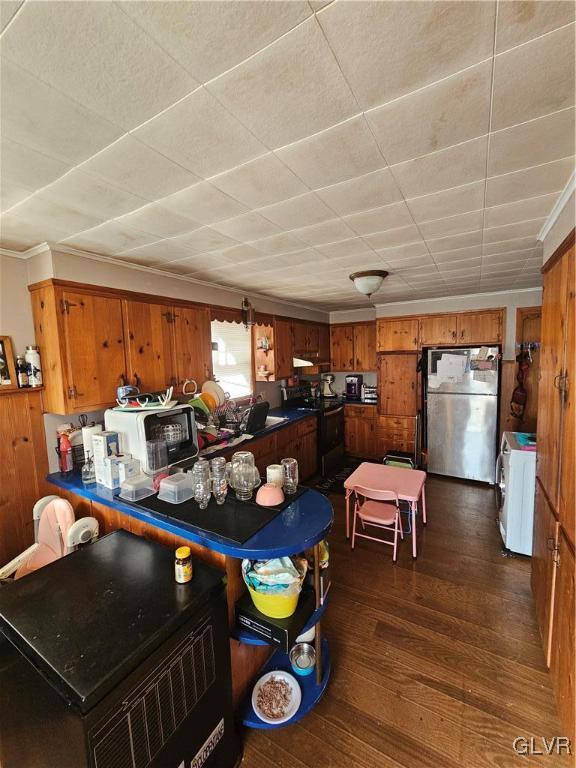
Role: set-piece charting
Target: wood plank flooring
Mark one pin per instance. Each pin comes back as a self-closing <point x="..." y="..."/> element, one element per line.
<point x="436" y="662"/>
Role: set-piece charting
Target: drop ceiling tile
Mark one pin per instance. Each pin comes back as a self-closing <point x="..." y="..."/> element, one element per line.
<point x="27" y="168"/>
<point x="97" y="56"/>
<point x="452" y="167"/>
<point x="301" y="67"/>
<point x="11" y="193"/>
<point x="389" y="49"/>
<point x="198" y="263"/>
<point x="523" y="20"/>
<point x="538" y="141"/>
<point x="260" y="182"/>
<point x="380" y="219"/>
<point x="459" y="266"/>
<point x="533" y="208"/>
<point x="416" y="265"/>
<point x="210" y="38"/>
<point x="450" y="202"/>
<point x="110" y="238"/>
<point x="512" y="231"/>
<point x="240" y="254"/>
<point x="534" y="79"/>
<point x="506" y="246"/>
<point x="347" y="248"/>
<point x="204" y="203"/>
<point x="454" y="242"/>
<point x="513" y="257"/>
<point x="393" y="237"/>
<point x="458" y="254"/>
<point x="400" y="252"/>
<point x="39" y="117"/>
<point x="300" y="211"/>
<point x="278" y="244"/>
<point x="95" y="197"/>
<point x="327" y="232"/>
<point x="248" y="226"/>
<point x="453" y="225"/>
<point x="199" y="134"/>
<point x="155" y="253"/>
<point x="345" y="151"/>
<point x="454" y="110"/>
<point x="531" y="182"/>
<point x="205" y="239"/>
<point x="156" y="220"/>
<point x="360" y="194"/>
<point x="133" y="166"/>
<point x="7" y="10"/>
<point x="47" y="219"/>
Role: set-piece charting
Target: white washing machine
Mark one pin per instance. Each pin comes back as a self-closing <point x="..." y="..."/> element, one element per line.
<point x="516" y="485"/>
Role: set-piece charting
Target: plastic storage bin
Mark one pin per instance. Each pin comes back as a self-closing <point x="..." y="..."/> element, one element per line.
<point x="176" y="488"/>
<point x="136" y="488"/>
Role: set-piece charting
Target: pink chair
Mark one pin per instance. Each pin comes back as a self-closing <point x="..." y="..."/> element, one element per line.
<point x="378" y="509"/>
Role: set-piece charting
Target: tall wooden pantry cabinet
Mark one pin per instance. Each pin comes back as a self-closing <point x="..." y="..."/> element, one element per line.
<point x="553" y="562"/>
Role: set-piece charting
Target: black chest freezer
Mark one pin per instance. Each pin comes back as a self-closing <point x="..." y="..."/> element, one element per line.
<point x="107" y="662"/>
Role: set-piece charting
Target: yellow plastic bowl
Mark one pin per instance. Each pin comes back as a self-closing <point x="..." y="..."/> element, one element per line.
<point x="275" y="606"/>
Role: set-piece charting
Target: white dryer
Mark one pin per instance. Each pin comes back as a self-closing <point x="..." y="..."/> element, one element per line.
<point x="516" y="485"/>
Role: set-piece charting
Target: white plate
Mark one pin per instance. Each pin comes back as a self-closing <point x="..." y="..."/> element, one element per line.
<point x="216" y="390"/>
<point x="294" y="702"/>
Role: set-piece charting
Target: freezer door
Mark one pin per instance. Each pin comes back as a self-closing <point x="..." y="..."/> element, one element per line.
<point x="462" y="435"/>
<point x="464" y="371"/>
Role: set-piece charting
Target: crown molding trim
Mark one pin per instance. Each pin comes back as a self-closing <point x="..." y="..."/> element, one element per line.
<point x="558" y="207"/>
<point x="460" y="296"/>
<point x="28" y="253"/>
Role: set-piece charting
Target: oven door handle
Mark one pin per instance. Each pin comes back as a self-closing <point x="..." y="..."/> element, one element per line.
<point x="334" y="412"/>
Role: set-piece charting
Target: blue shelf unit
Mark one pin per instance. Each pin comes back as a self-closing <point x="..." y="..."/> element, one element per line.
<point x="250" y="638"/>
<point x="311" y="691"/>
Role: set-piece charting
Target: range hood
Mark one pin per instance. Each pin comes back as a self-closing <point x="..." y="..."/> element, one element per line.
<point x="299" y="362"/>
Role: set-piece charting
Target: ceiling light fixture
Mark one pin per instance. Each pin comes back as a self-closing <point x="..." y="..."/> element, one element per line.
<point x="369" y="281"/>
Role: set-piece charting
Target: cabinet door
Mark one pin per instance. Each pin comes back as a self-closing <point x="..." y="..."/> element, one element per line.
<point x="323" y="343"/>
<point x="342" y="347"/>
<point x="543" y="571"/>
<point x="300" y="335"/>
<point x="479" y="328"/>
<point x="95" y="359"/>
<point x="308" y="459"/>
<point x="397" y="379"/>
<point x="149" y="359"/>
<point x="284" y="349"/>
<point x="562" y="667"/>
<point x="437" y="329"/>
<point x="312" y="341"/>
<point x="397" y="335"/>
<point x="551" y="366"/>
<point x="351" y="444"/>
<point x="192" y="344"/>
<point x="567" y="502"/>
<point x="365" y="347"/>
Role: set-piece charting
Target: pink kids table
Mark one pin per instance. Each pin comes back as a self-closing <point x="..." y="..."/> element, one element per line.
<point x="407" y="483"/>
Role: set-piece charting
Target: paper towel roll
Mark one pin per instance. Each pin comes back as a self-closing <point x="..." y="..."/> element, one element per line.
<point x="87" y="433"/>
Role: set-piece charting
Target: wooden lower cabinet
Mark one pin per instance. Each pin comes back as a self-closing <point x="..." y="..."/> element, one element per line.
<point x="360" y="431"/>
<point x="543" y="575"/>
<point x="397" y="384"/>
<point x="562" y="660"/>
<point x="395" y="434"/>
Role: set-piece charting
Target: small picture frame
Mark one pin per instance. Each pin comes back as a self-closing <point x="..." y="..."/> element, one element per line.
<point x="8" y="379"/>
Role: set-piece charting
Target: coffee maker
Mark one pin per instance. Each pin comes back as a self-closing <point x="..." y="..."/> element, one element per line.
<point x="354" y="387"/>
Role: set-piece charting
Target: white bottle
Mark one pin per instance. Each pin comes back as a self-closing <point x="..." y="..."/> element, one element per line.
<point x="32" y="357"/>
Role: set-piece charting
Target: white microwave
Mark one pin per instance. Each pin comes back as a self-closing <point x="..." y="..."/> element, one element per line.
<point x="175" y="425"/>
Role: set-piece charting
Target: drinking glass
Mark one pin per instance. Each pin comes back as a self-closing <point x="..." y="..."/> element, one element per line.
<point x="243" y="475"/>
<point x="157" y="456"/>
<point x="219" y="481"/>
<point x="201" y="482"/>
<point x="290" y="476"/>
<point x="275" y="474"/>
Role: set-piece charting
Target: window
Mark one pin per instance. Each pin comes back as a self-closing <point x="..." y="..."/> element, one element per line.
<point x="232" y="358"/>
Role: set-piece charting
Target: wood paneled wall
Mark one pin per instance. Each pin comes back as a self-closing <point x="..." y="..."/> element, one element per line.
<point x="23" y="467"/>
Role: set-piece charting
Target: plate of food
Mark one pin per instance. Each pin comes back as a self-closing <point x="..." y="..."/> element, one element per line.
<point x="276" y="697"/>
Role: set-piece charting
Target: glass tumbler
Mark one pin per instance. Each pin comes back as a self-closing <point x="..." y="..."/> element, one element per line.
<point x="275" y="474"/>
<point x="290" y="476"/>
<point x="219" y="481"/>
<point x="201" y="482"/>
<point x="243" y="475"/>
<point x="157" y="457"/>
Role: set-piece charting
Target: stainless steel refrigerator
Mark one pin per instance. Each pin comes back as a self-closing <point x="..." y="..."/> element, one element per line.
<point x="462" y="412"/>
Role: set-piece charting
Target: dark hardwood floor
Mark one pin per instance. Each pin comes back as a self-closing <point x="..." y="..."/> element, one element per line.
<point x="436" y="662"/>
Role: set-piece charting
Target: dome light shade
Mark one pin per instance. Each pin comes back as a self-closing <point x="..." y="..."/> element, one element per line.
<point x="369" y="281"/>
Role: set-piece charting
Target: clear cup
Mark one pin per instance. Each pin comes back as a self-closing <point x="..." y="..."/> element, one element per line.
<point x="243" y="475"/>
<point x="290" y="467"/>
<point x="201" y="482"/>
<point x="219" y="480"/>
<point x="156" y="456"/>
<point x="275" y="474"/>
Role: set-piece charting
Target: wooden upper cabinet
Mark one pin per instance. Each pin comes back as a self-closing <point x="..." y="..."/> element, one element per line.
<point x="149" y="352"/>
<point x="94" y="343"/>
<point x="192" y="344"/>
<point x="566" y="501"/>
<point x="283" y="348"/>
<point x="438" y="329"/>
<point x="480" y="327"/>
<point x="365" y="347"/>
<point x="342" y="347"/>
<point x="397" y="383"/>
<point x="324" y="343"/>
<point x="397" y="335"/>
<point x="312" y="341"/>
<point x="543" y="574"/>
<point x="300" y="337"/>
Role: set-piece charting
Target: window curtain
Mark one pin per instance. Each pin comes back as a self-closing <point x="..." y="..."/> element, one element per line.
<point x="232" y="357"/>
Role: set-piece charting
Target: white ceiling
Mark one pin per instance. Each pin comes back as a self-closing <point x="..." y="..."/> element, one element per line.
<point x="278" y="146"/>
